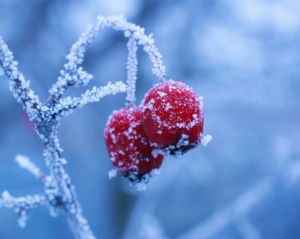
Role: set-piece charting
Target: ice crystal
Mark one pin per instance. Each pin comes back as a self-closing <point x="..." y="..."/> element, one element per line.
<point x="206" y="139"/>
<point x="112" y="173"/>
<point x="25" y="163"/>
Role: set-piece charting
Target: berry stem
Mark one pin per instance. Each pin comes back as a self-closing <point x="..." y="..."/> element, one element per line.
<point x="131" y="70"/>
<point x="73" y="75"/>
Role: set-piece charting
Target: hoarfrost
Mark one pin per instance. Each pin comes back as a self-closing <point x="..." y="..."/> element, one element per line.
<point x="25" y="163"/>
<point x="112" y="173"/>
<point x="131" y="67"/>
<point x="161" y="94"/>
<point x="206" y="139"/>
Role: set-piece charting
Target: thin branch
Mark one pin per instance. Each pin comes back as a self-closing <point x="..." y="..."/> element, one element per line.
<point x="67" y="105"/>
<point x="73" y="76"/>
<point x="25" y="163"/>
<point x="120" y="23"/>
<point x="18" y="85"/>
<point x="79" y="225"/>
<point x="23" y="205"/>
<point x="131" y="69"/>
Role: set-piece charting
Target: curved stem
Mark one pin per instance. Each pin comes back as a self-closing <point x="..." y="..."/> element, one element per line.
<point x="74" y="76"/>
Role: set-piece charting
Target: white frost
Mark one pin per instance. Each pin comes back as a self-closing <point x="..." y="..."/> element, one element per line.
<point x="112" y="173"/>
<point x="206" y="139"/>
<point x="161" y="94"/>
<point x="25" y="163"/>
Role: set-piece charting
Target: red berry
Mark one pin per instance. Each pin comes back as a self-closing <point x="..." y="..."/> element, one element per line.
<point x="127" y="144"/>
<point x="172" y="117"/>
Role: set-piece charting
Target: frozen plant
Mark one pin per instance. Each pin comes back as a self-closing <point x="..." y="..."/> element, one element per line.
<point x="59" y="192"/>
<point x="169" y="121"/>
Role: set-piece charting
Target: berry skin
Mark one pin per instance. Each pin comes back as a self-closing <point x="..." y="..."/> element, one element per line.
<point x="127" y="144"/>
<point x="172" y="117"/>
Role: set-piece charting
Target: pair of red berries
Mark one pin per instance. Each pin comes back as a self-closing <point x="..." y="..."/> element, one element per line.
<point x="169" y="121"/>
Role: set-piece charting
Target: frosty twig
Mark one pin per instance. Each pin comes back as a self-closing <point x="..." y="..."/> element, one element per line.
<point x="22" y="205"/>
<point x="131" y="69"/>
<point x="74" y="76"/>
<point x="59" y="192"/>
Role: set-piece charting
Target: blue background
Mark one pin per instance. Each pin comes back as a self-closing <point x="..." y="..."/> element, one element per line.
<point x="242" y="56"/>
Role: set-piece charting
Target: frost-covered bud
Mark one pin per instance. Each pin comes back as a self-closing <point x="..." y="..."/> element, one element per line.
<point x="172" y="117"/>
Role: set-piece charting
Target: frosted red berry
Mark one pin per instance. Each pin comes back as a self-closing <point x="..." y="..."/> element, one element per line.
<point x="127" y="144"/>
<point x="172" y="117"/>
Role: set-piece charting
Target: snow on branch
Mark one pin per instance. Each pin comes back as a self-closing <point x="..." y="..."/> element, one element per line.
<point x="59" y="192"/>
<point x="120" y="23"/>
<point x="67" y="105"/>
<point x="72" y="75"/>
<point x="25" y="163"/>
<point x="23" y="205"/>
<point x="69" y="77"/>
<point x="131" y="69"/>
<point x="18" y="85"/>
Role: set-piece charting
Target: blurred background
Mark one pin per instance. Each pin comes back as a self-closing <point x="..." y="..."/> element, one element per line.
<point x="242" y="56"/>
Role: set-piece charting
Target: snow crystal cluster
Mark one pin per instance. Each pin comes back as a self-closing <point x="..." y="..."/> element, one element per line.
<point x="23" y="205"/>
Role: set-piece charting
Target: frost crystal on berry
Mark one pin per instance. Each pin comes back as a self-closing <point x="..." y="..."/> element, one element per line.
<point x="128" y="147"/>
<point x="172" y="117"/>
